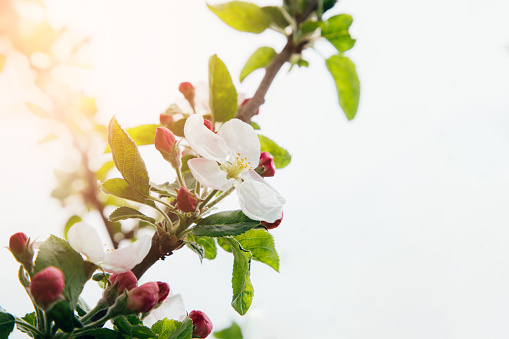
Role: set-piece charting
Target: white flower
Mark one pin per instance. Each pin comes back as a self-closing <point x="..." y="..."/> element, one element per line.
<point x="229" y="158"/>
<point x="171" y="308"/>
<point x="85" y="240"/>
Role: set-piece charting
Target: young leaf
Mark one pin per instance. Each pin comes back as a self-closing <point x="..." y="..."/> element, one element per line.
<point x="6" y="324"/>
<point x="261" y="245"/>
<point x="224" y="224"/>
<point x="70" y="222"/>
<point x="347" y="83"/>
<point x="241" y="284"/>
<point x="208" y="244"/>
<point x="124" y="212"/>
<point x="172" y="329"/>
<point x="232" y="332"/>
<point x="121" y="188"/>
<point x="196" y="248"/>
<point x="277" y="16"/>
<point x="261" y="58"/>
<point x="281" y="156"/>
<point x="336" y="31"/>
<point x="141" y="135"/>
<point x="242" y="16"/>
<point x="28" y="318"/>
<point x="223" y="95"/>
<point x="57" y="252"/>
<point x="127" y="158"/>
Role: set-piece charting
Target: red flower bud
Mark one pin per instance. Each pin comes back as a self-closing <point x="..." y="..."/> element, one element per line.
<point x="208" y="124"/>
<point x="266" y="166"/>
<point x="245" y="102"/>
<point x="166" y="120"/>
<point x="202" y="326"/>
<point x="188" y="90"/>
<point x="186" y="201"/>
<point x="143" y="298"/>
<point x="166" y="144"/>
<point x="124" y="281"/>
<point x="18" y="242"/>
<point x="273" y="225"/>
<point x="164" y="290"/>
<point x="46" y="286"/>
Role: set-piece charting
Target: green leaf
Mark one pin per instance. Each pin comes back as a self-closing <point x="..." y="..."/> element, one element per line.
<point x="172" y="329"/>
<point x="141" y="135"/>
<point x="123" y="213"/>
<point x="254" y="125"/>
<point x="328" y="4"/>
<point x="336" y="31"/>
<point x="281" y="156"/>
<point x="70" y="222"/>
<point x="57" y="252"/>
<point x="121" y="188"/>
<point x="104" y="170"/>
<point x="232" y="332"/>
<point x="28" y="318"/>
<point x="347" y="82"/>
<point x="196" y="248"/>
<point x="223" y="95"/>
<point x="208" y="245"/>
<point x="277" y="17"/>
<point x="261" y="58"/>
<point x="224" y="224"/>
<point x="168" y="190"/>
<point x="241" y="284"/>
<point x="310" y="26"/>
<point x="243" y="16"/>
<point x="127" y="158"/>
<point x="261" y="245"/>
<point x="6" y="324"/>
<point x="63" y="315"/>
<point x="105" y="333"/>
<point x="142" y="332"/>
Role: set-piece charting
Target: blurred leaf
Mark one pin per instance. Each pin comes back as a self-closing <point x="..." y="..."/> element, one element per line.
<point x="232" y="332"/>
<point x="141" y="135"/>
<point x="261" y="245"/>
<point x="57" y="252"/>
<point x="254" y="125"/>
<point x="70" y="222"/>
<point x="6" y="324"/>
<point x="3" y="60"/>
<point x="121" y="189"/>
<point x="224" y="224"/>
<point x="48" y="138"/>
<point x="277" y="17"/>
<point x="223" y="96"/>
<point x="127" y="158"/>
<point x="87" y="106"/>
<point x="102" y="172"/>
<point x="281" y="156"/>
<point x="196" y="248"/>
<point x="243" y="16"/>
<point x="123" y="213"/>
<point x="208" y="244"/>
<point x="328" y="4"/>
<point x="336" y="31"/>
<point x="310" y="26"/>
<point x="261" y="58"/>
<point x="30" y="319"/>
<point x="37" y="110"/>
<point x="62" y="314"/>
<point x="168" y="190"/>
<point x="347" y="83"/>
<point x="241" y="284"/>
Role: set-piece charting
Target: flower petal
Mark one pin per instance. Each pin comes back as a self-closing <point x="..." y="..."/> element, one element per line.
<point x="208" y="173"/>
<point x="258" y="200"/>
<point x="124" y="259"/>
<point x="204" y="141"/>
<point x="171" y="308"/>
<point x="241" y="138"/>
<point x="85" y="240"/>
<point x="255" y="176"/>
<point x="201" y="98"/>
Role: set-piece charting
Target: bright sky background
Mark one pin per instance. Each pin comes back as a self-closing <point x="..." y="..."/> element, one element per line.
<point x="396" y="223"/>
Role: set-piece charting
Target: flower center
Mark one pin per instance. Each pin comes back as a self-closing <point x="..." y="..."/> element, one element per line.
<point x="233" y="170"/>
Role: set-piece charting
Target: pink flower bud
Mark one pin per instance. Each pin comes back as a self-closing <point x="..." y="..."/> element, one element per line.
<point x="124" y="281"/>
<point x="273" y="225"/>
<point x="46" y="286"/>
<point x="166" y="119"/>
<point x="245" y="102"/>
<point x="202" y="326"/>
<point x="266" y="166"/>
<point x="186" y="201"/>
<point x="208" y="124"/>
<point x="143" y="298"/>
<point x="18" y="242"/>
<point x="188" y="90"/>
<point x="164" y="290"/>
<point x="166" y="144"/>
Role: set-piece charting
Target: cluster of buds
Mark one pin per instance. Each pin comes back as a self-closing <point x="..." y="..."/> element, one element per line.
<point x="147" y="296"/>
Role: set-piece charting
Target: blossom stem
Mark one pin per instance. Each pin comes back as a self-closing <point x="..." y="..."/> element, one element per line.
<point x="222" y="196"/>
<point x="207" y="199"/>
<point x="21" y="323"/>
<point x="100" y="306"/>
<point x="180" y="178"/>
<point x="168" y="220"/>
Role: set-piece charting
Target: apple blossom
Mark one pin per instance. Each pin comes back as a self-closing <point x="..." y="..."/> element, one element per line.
<point x="85" y="240"/>
<point x="228" y="159"/>
<point x="272" y="225"/>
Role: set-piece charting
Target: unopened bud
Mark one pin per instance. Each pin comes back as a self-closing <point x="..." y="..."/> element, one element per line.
<point x="18" y="242"/>
<point x="164" y="290"/>
<point x="266" y="166"/>
<point x="124" y="281"/>
<point x="245" y="102"/>
<point x="166" y="144"/>
<point x="143" y="298"/>
<point x="186" y="200"/>
<point x="187" y="89"/>
<point x="46" y="286"/>
<point x="274" y="224"/>
<point x="202" y="326"/>
<point x="166" y="120"/>
<point x="208" y="124"/>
